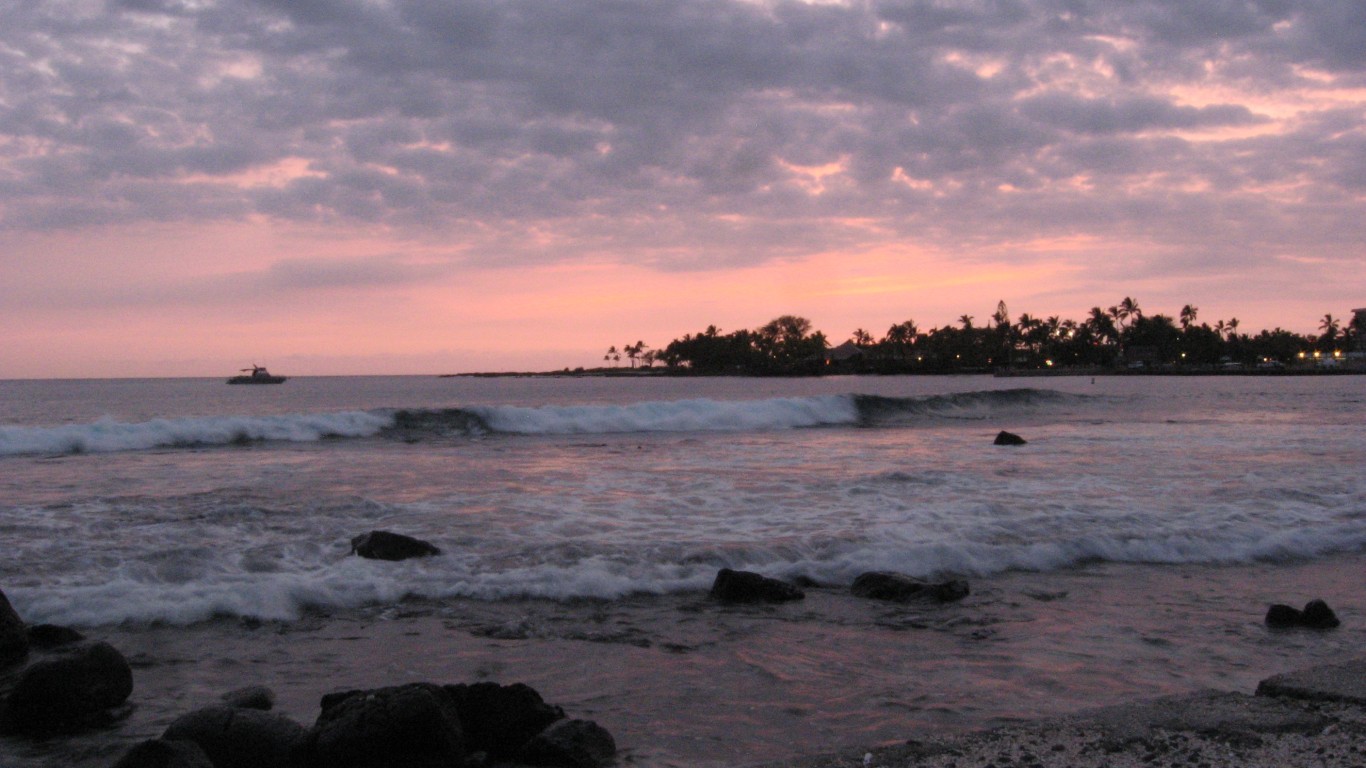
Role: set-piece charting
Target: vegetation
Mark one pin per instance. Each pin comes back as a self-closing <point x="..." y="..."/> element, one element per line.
<point x="1121" y="336"/>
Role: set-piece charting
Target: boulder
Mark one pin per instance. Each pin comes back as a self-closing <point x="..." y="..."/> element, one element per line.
<point x="13" y="636"/>
<point x="900" y="588"/>
<point x="1009" y="438"/>
<point x="73" y="690"/>
<point x="1316" y="615"/>
<point x="500" y="719"/>
<point x="746" y="587"/>
<point x="239" y="738"/>
<point x="384" y="545"/>
<point x="160" y="753"/>
<point x="570" y="744"/>
<point x="415" y="726"/>
<point x="49" y="636"/>
<point x="251" y="697"/>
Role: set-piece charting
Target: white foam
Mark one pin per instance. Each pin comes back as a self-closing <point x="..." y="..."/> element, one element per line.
<point x="107" y="435"/>
<point x="674" y="416"/>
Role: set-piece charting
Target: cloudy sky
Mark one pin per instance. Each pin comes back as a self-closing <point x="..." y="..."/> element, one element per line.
<point x="427" y="186"/>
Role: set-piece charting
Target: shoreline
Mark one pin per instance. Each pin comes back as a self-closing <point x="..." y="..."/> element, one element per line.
<point x="1309" y="716"/>
<point x="654" y="373"/>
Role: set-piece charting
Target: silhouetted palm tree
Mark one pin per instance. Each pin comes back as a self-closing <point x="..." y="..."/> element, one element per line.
<point x="1188" y="314"/>
<point x="1330" y="326"/>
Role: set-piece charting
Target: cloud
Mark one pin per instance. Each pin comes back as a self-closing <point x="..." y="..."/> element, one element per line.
<point x="681" y="134"/>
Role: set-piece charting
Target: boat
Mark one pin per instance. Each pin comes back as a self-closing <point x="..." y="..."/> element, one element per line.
<point x="256" y="375"/>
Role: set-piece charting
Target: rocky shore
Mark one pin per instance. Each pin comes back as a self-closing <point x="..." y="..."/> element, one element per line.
<point x="1312" y="717"/>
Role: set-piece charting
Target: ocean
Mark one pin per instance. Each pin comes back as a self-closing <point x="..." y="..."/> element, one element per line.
<point x="1129" y="550"/>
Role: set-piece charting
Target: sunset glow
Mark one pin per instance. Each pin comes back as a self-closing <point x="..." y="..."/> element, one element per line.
<point x="435" y="187"/>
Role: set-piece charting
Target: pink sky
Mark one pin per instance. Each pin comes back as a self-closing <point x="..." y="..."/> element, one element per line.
<point x="429" y="187"/>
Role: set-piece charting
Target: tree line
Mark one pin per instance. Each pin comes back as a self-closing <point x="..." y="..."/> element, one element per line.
<point x="1122" y="335"/>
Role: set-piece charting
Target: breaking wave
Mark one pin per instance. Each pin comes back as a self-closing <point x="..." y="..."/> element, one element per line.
<point x="702" y="415"/>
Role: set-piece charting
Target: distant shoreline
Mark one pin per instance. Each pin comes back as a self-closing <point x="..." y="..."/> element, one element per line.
<point x="648" y="373"/>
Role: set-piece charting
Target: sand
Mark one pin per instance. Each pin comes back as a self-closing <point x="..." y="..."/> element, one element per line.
<point x="1313" y="717"/>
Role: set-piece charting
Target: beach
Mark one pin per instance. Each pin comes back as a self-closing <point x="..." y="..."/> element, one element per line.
<point x="1309" y="717"/>
<point x="1129" y="551"/>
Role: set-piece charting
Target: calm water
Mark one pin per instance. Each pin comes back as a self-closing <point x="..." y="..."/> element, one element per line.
<point x="1128" y="550"/>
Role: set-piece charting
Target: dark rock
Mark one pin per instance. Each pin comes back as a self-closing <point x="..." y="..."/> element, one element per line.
<point x="13" y="637"/>
<point x="383" y="545"/>
<point x="251" y="697"/>
<point x="499" y="719"/>
<point x="67" y="692"/>
<point x="898" y="587"/>
<point x="160" y="753"/>
<point x="571" y="744"/>
<point x="1316" y="615"/>
<point x="49" y="636"/>
<point x="746" y="587"/>
<point x="239" y="738"/>
<point x="1280" y="615"/>
<point x="1009" y="438"/>
<point x="415" y="725"/>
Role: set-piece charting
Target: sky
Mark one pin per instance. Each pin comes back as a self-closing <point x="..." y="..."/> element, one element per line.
<point x="188" y="187"/>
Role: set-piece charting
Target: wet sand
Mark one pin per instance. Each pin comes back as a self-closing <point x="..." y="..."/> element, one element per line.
<point x="1313" y="717"/>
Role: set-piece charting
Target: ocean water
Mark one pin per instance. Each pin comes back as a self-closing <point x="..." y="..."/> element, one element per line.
<point x="1129" y="550"/>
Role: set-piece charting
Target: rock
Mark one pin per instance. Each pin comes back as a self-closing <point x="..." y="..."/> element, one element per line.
<point x="49" y="636"/>
<point x="572" y="744"/>
<point x="1280" y="615"/>
<point x="1009" y="438"/>
<point x="499" y="720"/>
<point x="13" y="637"/>
<point x="898" y="587"/>
<point x="1316" y="615"/>
<point x="251" y="697"/>
<point x="239" y="738"/>
<point x="415" y="725"/>
<point x="67" y="692"/>
<point x="160" y="753"/>
<point x="746" y="587"/>
<point x="383" y="545"/>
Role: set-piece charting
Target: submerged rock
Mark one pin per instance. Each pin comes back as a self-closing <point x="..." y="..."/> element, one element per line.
<point x="13" y="635"/>
<point x="48" y="636"/>
<point x="414" y="725"/>
<point x="1009" y="438"/>
<point x="746" y="587"/>
<point x="900" y="588"/>
<point x="160" y="753"/>
<point x="1316" y="615"/>
<point x="570" y="744"/>
<point x="67" y="692"/>
<point x="384" y="545"/>
<point x="251" y="697"/>
<point x="499" y="720"/>
<point x="233" y="737"/>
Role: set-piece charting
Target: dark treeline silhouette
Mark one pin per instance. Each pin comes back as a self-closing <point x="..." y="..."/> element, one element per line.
<point x="1120" y="337"/>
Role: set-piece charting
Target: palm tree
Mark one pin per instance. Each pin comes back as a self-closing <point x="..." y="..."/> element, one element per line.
<point x="966" y="320"/>
<point x="1330" y="326"/>
<point x="611" y="353"/>
<point x="1232" y="327"/>
<point x="862" y="338"/>
<point x="1188" y="313"/>
<point x="900" y="337"/>
<point x="633" y="351"/>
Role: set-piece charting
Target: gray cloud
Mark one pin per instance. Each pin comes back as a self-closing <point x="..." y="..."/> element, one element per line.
<point x="632" y="126"/>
